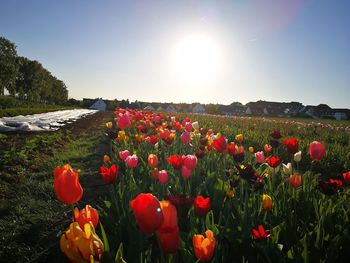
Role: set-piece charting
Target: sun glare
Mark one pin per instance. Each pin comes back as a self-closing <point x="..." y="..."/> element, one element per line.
<point x="197" y="58"/>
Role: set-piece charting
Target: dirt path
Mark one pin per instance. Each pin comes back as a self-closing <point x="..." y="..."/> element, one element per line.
<point x="31" y="216"/>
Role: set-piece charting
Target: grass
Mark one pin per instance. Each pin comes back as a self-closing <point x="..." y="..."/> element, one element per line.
<point x="10" y="112"/>
<point x="30" y="214"/>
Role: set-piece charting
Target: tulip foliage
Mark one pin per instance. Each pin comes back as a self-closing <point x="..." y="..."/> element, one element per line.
<point x="214" y="189"/>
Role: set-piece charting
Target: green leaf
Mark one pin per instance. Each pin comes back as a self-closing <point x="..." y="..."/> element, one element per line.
<point x="104" y="238"/>
<point x="107" y="203"/>
<point x="119" y="255"/>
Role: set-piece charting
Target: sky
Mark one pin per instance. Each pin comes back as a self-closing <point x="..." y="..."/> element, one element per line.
<point x="189" y="51"/>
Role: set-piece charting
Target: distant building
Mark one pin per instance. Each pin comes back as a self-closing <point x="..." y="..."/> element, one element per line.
<point x="340" y="116"/>
<point x="149" y="107"/>
<point x="170" y="108"/>
<point x="198" y="109"/>
<point x="99" y="105"/>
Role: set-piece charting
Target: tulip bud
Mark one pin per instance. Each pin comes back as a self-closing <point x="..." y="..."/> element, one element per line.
<point x="155" y="173"/>
<point x="185" y="172"/>
<point x="106" y="159"/>
<point x="295" y="180"/>
<point x="317" y="150"/>
<point x="297" y="156"/>
<point x="195" y="125"/>
<point x="267" y="202"/>
<point x="239" y="137"/>
<point x="124" y="154"/>
<point x="287" y="168"/>
<point x="259" y="157"/>
<point x="163" y="177"/>
<point x="131" y="161"/>
<point x="152" y="160"/>
<point x="346" y="177"/>
<point x="251" y="149"/>
<point x="230" y="193"/>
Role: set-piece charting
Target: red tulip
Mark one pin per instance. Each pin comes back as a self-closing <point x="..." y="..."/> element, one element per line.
<point x="169" y="233"/>
<point x="123" y="121"/>
<point x="261" y="233"/>
<point x="317" y="150"/>
<point x="185" y="137"/>
<point x="153" y="139"/>
<point x="292" y="145"/>
<point x="175" y="161"/>
<point x="267" y="148"/>
<point x="131" y="161"/>
<point x="201" y="205"/>
<point x="295" y="180"/>
<point x="276" y="135"/>
<point x="163" y="176"/>
<point x="124" y="154"/>
<point x="147" y="212"/>
<point x="85" y="215"/>
<point x="66" y="185"/>
<point x="273" y="161"/>
<point x="231" y="148"/>
<point x="190" y="161"/>
<point x="220" y="144"/>
<point x="109" y="175"/>
<point x="346" y="177"/>
<point x="185" y="172"/>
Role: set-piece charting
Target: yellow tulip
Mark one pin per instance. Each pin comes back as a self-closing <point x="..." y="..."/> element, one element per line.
<point x="109" y="125"/>
<point x="81" y="246"/>
<point x="240" y="137"/>
<point x="251" y="149"/>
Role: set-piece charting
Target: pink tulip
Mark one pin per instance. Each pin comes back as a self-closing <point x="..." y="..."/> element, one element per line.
<point x="317" y="150"/>
<point x="190" y="161"/>
<point x="163" y="176"/>
<point x="188" y="126"/>
<point x="185" y="137"/>
<point x="123" y="121"/>
<point x="185" y="172"/>
<point x="259" y="157"/>
<point x="124" y="154"/>
<point x="131" y="160"/>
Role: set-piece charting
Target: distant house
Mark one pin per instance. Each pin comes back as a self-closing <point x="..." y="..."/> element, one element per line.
<point x="170" y="108"/>
<point x="234" y="109"/>
<point x="99" y="105"/>
<point x="198" y="109"/>
<point x="256" y="110"/>
<point x="341" y="114"/>
<point x="149" y="107"/>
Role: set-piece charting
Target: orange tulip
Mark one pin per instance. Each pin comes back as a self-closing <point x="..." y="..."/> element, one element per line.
<point x="152" y="160"/>
<point x="66" y="185"/>
<point x="267" y="202"/>
<point x="86" y="215"/>
<point x="204" y="247"/>
<point x="106" y="159"/>
<point x="169" y="233"/>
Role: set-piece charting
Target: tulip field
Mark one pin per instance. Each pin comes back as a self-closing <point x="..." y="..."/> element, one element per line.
<point x="200" y="188"/>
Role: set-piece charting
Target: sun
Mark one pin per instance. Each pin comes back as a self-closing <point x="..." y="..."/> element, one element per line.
<point x="197" y="58"/>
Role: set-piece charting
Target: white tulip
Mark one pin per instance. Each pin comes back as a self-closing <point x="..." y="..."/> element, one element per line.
<point x="297" y="156"/>
<point x="287" y="168"/>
